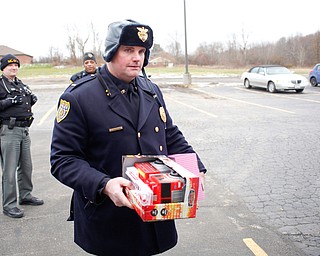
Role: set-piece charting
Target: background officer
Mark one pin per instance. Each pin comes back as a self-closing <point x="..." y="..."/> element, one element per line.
<point x="90" y="67"/>
<point x="16" y="100"/>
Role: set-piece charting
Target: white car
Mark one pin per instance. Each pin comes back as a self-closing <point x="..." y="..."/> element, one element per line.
<point x="273" y="78"/>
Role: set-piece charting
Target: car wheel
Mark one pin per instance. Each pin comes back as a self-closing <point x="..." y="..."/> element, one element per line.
<point x="247" y="84"/>
<point x="271" y="87"/>
<point x="313" y="81"/>
<point x="299" y="90"/>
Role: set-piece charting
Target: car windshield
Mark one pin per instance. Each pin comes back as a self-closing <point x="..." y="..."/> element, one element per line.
<point x="277" y="70"/>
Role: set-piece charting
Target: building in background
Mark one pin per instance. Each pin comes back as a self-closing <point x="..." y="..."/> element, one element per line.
<point x="24" y="58"/>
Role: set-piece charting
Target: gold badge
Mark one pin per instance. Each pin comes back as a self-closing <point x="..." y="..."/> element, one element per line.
<point x="163" y="114"/>
<point x="13" y="61"/>
<point x="63" y="110"/>
<point x="143" y="34"/>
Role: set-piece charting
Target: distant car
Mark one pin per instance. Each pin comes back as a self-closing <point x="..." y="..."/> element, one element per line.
<point x="314" y="75"/>
<point x="273" y="78"/>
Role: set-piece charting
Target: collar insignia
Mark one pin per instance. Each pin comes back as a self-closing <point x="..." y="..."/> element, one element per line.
<point x="143" y="34"/>
<point x="63" y="110"/>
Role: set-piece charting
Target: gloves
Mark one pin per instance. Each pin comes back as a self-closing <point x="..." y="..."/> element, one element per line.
<point x="16" y="100"/>
<point x="34" y="99"/>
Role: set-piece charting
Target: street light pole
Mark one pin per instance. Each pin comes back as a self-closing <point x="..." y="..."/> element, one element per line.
<point x="186" y="76"/>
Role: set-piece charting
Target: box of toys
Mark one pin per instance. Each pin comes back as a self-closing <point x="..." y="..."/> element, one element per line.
<point x="163" y="190"/>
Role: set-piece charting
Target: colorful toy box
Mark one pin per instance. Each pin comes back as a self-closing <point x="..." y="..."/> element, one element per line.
<point x="163" y="190"/>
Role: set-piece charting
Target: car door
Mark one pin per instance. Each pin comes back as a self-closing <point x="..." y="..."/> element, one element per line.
<point x="261" y="78"/>
<point x="252" y="76"/>
<point x="317" y="73"/>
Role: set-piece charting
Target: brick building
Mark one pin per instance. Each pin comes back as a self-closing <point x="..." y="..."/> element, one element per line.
<point x="24" y="58"/>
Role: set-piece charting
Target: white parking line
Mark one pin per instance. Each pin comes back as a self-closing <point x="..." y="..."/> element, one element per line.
<point x="192" y="107"/>
<point x="242" y="101"/>
<point x="281" y="96"/>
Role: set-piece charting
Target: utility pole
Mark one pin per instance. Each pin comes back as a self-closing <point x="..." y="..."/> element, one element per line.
<point x="186" y="76"/>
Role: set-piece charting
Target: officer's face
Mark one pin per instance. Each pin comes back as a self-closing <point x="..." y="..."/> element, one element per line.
<point x="90" y="66"/>
<point x="127" y="62"/>
<point x="11" y="70"/>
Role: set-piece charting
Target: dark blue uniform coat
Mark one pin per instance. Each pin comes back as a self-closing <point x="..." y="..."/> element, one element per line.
<point x="92" y="134"/>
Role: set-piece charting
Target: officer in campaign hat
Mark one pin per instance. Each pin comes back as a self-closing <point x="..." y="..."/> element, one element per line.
<point x="89" y="64"/>
<point x="16" y="100"/>
<point x="114" y="113"/>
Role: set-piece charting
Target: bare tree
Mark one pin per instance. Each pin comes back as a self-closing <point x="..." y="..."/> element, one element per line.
<point x="81" y="44"/>
<point x="243" y="46"/>
<point x="96" y="43"/>
<point x="174" y="49"/>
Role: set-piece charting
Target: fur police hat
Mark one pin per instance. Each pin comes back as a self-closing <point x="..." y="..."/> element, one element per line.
<point x="128" y="32"/>
<point x="9" y="59"/>
<point x="89" y="56"/>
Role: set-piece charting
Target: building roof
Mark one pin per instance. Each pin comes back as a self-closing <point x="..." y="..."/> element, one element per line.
<point x="7" y="50"/>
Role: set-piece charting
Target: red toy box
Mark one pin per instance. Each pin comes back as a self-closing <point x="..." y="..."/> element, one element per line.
<point x="163" y="188"/>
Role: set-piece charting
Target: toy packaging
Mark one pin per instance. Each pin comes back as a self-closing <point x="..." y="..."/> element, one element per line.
<point x="163" y="190"/>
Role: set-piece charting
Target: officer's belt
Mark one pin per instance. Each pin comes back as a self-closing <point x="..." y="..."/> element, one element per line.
<point x="26" y="123"/>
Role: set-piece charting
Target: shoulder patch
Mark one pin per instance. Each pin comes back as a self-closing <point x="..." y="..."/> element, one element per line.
<point x="63" y="110"/>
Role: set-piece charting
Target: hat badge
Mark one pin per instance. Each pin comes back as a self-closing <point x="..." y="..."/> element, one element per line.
<point x="143" y="33"/>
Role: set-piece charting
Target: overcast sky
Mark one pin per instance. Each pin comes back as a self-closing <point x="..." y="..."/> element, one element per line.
<point x="34" y="26"/>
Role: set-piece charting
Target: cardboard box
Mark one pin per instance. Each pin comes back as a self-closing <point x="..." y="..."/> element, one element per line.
<point x="190" y="162"/>
<point x="174" y="188"/>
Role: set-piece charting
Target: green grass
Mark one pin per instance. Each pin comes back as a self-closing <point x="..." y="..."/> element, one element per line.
<point x="47" y="70"/>
<point x="44" y="70"/>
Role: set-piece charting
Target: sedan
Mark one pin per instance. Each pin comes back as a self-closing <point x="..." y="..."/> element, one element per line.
<point x="314" y="75"/>
<point x="273" y="78"/>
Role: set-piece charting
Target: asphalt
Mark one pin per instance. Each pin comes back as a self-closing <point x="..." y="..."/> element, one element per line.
<point x="222" y="226"/>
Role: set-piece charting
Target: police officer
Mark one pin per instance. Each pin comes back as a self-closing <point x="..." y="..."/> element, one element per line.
<point x="16" y="100"/>
<point x="90" y="67"/>
<point x="100" y="119"/>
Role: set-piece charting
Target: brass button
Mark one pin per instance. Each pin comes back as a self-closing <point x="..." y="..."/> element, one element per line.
<point x="139" y="134"/>
<point x="156" y="129"/>
<point x="161" y="148"/>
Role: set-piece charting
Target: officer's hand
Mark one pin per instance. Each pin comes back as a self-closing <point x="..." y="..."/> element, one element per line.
<point x="114" y="190"/>
<point x="16" y="99"/>
<point x="34" y="99"/>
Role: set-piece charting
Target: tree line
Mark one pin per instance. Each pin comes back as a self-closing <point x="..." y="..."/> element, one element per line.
<point x="293" y="51"/>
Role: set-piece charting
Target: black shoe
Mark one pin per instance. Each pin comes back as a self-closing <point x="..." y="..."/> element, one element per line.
<point x="32" y="201"/>
<point x="13" y="212"/>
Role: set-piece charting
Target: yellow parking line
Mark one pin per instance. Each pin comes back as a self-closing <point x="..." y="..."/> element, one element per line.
<point x="194" y="108"/>
<point x="44" y="118"/>
<point x="242" y="101"/>
<point x="256" y="249"/>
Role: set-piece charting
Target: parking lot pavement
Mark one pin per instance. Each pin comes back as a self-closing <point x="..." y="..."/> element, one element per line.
<point x="253" y="184"/>
<point x="221" y="224"/>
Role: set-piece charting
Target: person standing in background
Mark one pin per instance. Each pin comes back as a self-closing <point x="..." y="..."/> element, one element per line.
<point x="16" y="100"/>
<point x="90" y="67"/>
